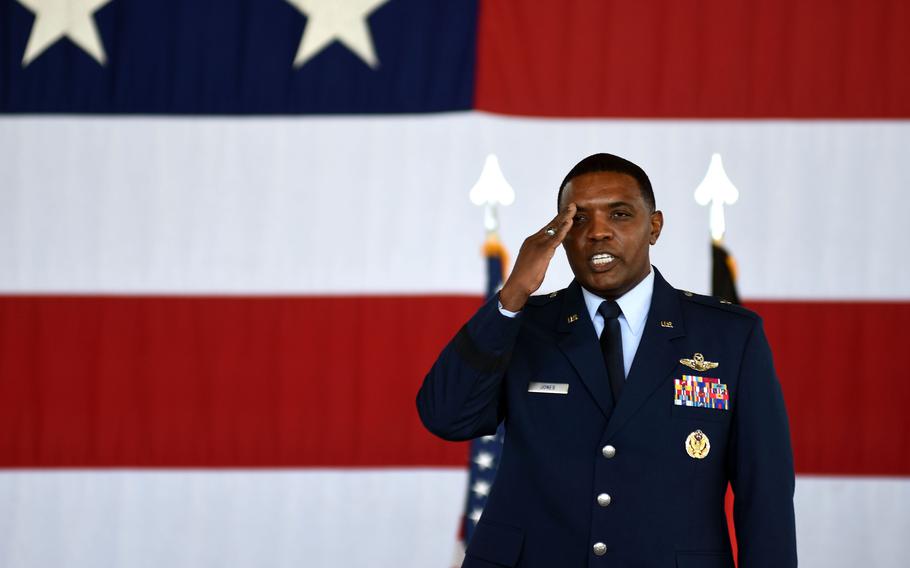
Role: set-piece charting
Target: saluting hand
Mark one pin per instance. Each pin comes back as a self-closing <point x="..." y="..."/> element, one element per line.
<point x="533" y="259"/>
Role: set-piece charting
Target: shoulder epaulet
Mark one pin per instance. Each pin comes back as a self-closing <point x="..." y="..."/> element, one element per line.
<point x="717" y="303"/>
<point x="544" y="299"/>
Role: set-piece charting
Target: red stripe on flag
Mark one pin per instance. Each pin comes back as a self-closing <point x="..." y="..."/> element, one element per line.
<point x="709" y="58"/>
<point x="210" y="382"/>
<point x="328" y="381"/>
<point x="845" y="383"/>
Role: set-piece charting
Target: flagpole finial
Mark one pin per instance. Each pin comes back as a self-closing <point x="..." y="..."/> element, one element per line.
<point x="490" y="191"/>
<point x="716" y="190"/>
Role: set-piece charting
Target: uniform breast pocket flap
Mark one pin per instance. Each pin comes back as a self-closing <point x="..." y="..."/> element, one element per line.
<point x="696" y="413"/>
<point x="548" y="388"/>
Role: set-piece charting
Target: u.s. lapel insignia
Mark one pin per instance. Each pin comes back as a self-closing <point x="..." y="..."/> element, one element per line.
<point x="698" y="363"/>
<point x="698" y="445"/>
<point x="572" y="318"/>
<point x="665" y="323"/>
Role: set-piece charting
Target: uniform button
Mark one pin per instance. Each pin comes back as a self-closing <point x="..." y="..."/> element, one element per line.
<point x="600" y="549"/>
<point x="609" y="451"/>
<point x="603" y="499"/>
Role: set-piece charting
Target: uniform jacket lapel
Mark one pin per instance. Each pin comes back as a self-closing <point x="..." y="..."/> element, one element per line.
<point x="657" y="355"/>
<point x="580" y="345"/>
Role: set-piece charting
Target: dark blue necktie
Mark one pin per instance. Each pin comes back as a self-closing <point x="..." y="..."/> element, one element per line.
<point x="611" y="346"/>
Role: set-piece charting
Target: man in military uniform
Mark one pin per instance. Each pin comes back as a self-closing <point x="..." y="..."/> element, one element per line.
<point x="628" y="405"/>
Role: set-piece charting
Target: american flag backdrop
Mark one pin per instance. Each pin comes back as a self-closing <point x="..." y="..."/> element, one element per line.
<point x="234" y="235"/>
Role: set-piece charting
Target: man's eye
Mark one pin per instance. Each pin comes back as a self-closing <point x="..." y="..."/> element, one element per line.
<point x="621" y="214"/>
<point x="579" y="219"/>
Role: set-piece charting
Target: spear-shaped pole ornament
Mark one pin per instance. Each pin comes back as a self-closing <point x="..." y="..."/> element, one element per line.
<point x="717" y="190"/>
<point x="490" y="191"/>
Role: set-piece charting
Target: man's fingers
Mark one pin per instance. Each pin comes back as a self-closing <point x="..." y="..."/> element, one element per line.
<point x="562" y="219"/>
<point x="537" y="251"/>
<point x="563" y="223"/>
<point x="553" y="225"/>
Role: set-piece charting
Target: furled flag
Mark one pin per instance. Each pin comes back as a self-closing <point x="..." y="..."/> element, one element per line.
<point x="723" y="274"/>
<point x="723" y="286"/>
<point x="485" y="451"/>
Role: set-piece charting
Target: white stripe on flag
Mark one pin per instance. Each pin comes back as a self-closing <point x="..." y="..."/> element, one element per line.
<point x="322" y="518"/>
<point x="852" y="521"/>
<point x="185" y="519"/>
<point x="379" y="204"/>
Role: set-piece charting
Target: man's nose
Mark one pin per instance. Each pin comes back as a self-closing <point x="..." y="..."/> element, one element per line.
<point x="600" y="228"/>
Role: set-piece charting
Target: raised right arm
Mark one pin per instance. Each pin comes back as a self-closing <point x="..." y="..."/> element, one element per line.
<point x="460" y="398"/>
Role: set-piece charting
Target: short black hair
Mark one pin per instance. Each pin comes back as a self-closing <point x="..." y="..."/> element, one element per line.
<point x="609" y="163"/>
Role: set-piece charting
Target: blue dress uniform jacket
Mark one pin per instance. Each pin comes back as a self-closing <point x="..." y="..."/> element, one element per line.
<point x="579" y="473"/>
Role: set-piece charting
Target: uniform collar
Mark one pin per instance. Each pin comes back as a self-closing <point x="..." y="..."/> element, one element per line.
<point x="634" y="304"/>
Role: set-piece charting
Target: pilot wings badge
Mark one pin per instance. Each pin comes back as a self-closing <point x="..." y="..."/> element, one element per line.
<point x="698" y="363"/>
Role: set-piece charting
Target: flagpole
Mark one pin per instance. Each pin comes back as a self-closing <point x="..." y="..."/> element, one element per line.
<point x="490" y="191"/>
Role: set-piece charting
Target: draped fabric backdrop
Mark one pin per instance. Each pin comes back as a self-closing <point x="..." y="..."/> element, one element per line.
<point x="223" y="275"/>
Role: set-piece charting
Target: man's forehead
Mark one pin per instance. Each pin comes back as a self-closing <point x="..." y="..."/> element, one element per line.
<point x="613" y="187"/>
<point x="585" y="204"/>
<point x="603" y="179"/>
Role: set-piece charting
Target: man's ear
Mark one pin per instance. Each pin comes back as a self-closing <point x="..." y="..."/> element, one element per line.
<point x="657" y="224"/>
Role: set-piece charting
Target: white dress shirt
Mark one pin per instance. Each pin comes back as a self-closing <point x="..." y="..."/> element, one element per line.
<point x="635" y="305"/>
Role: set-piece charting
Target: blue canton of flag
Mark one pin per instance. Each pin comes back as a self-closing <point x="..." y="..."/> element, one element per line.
<point x="236" y="56"/>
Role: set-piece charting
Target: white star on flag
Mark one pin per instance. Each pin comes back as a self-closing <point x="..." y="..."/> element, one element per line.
<point x="55" y="19"/>
<point x="481" y="488"/>
<point x="491" y="438"/>
<point x="475" y="515"/>
<point x="484" y="460"/>
<point x="342" y="20"/>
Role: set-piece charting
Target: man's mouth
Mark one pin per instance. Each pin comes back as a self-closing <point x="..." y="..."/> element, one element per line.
<point x="601" y="260"/>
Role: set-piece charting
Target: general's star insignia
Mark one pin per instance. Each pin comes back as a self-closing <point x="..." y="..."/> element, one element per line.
<point x="698" y="363"/>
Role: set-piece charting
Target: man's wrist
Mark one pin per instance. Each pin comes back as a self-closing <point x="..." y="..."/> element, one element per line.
<point x="507" y="313"/>
<point x="510" y="301"/>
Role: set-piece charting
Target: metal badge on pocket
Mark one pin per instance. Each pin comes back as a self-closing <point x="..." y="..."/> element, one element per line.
<point x="549" y="388"/>
<point x="698" y="445"/>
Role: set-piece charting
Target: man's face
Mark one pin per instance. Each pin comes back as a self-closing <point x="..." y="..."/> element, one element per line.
<point x="613" y="228"/>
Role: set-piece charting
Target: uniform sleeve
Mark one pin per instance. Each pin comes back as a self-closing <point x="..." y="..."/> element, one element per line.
<point x="761" y="467"/>
<point x="460" y="397"/>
